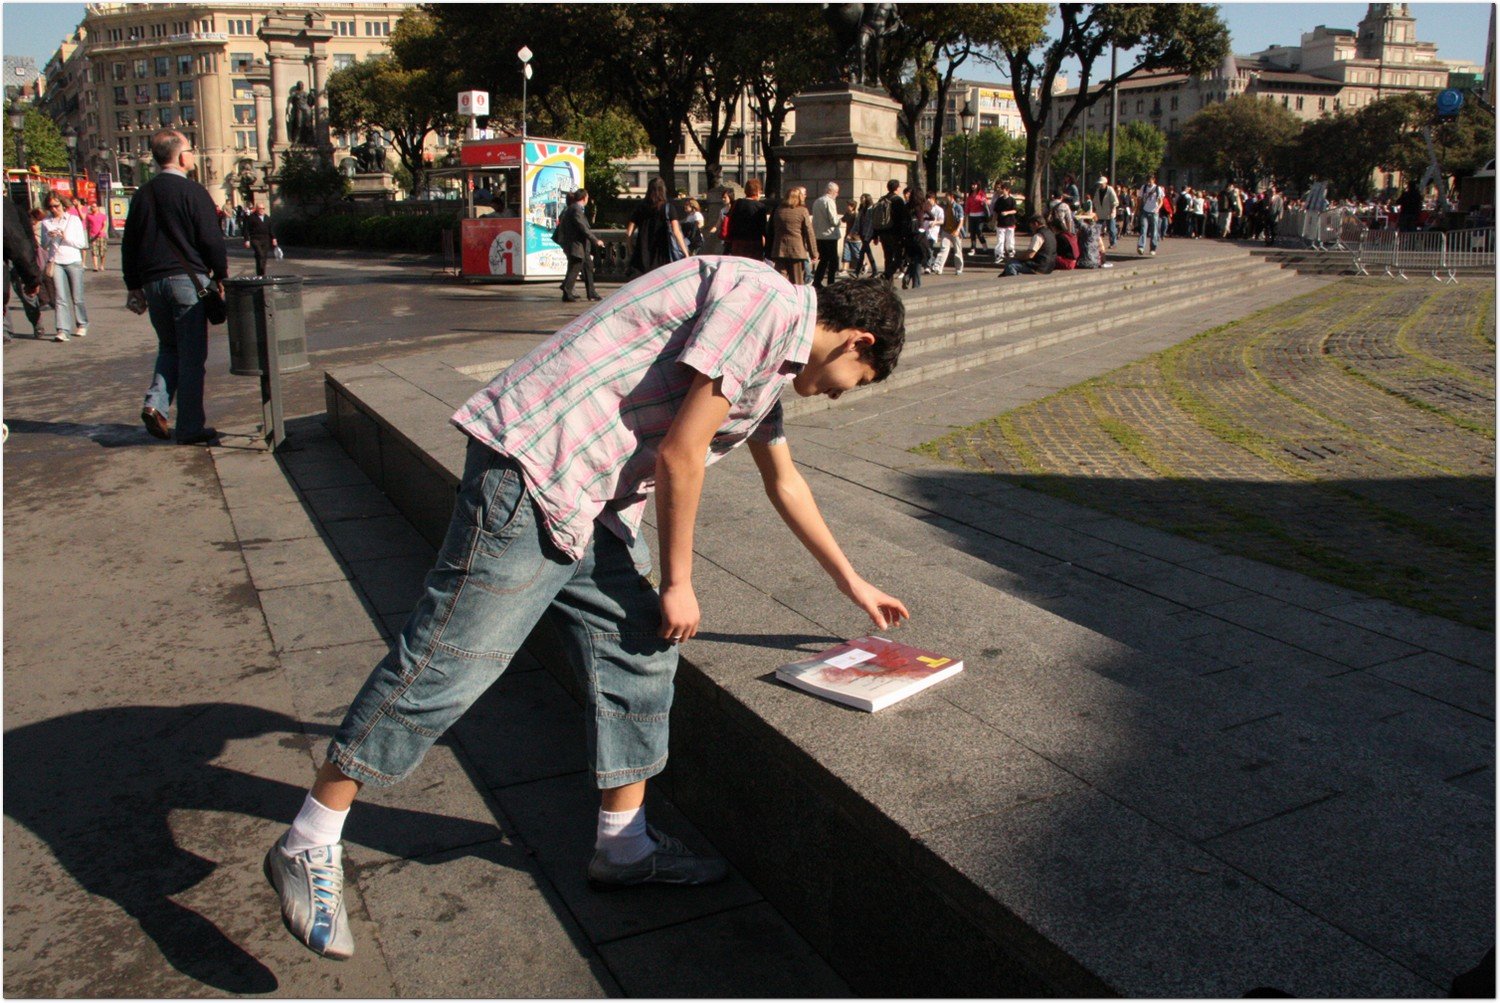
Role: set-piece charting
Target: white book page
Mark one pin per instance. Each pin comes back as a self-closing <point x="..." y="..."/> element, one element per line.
<point x="849" y="659"/>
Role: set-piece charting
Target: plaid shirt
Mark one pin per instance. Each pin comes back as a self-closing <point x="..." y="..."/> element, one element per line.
<point x="582" y="414"/>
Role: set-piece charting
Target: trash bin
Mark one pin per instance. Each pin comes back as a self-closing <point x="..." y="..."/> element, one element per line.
<point x="265" y="310"/>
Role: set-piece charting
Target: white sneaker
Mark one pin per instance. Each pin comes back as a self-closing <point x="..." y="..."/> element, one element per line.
<point x="310" y="885"/>
<point x="82" y="331"/>
<point x="60" y="336"/>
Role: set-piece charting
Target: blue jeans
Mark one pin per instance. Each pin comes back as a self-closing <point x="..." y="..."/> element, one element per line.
<point x="1148" y="227"/>
<point x="497" y="575"/>
<point x="1112" y="227"/>
<point x="67" y="283"/>
<point x="181" y="350"/>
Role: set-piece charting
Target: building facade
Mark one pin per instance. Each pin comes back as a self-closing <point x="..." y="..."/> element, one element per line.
<point x="1332" y="69"/>
<point x="134" y="68"/>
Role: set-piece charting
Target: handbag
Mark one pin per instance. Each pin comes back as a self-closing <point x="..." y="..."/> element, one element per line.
<point x="214" y="307"/>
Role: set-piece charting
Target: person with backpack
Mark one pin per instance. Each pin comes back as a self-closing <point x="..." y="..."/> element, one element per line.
<point x="892" y="219"/>
<point x="654" y="233"/>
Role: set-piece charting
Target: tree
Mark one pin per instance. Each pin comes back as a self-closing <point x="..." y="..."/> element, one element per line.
<point x="1139" y="148"/>
<point x="993" y="155"/>
<point x="611" y="136"/>
<point x="779" y="72"/>
<point x="42" y="141"/>
<point x="1238" y="140"/>
<point x="1182" y="38"/>
<point x="306" y="180"/>
<point x="409" y="102"/>
<point x="926" y="56"/>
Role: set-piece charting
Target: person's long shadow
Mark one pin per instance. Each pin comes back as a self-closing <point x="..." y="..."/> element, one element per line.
<point x="98" y="788"/>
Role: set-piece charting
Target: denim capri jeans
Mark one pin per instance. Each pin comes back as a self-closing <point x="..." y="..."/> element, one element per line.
<point x="497" y="575"/>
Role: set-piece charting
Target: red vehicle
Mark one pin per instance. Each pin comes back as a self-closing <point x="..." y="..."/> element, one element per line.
<point x="30" y="188"/>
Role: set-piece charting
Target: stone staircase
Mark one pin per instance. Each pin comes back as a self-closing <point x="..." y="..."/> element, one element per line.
<point x="1133" y="788"/>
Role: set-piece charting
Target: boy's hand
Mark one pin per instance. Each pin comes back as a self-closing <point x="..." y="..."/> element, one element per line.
<point x="885" y="611"/>
<point x="679" y="613"/>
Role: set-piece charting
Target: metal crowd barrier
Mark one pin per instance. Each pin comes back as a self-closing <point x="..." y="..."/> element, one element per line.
<point x="1439" y="253"/>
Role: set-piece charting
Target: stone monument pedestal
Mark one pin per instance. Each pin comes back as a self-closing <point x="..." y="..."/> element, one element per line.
<point x="368" y="187"/>
<point x="845" y="133"/>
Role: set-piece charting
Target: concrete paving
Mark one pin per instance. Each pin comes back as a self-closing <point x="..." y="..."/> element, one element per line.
<point x="184" y="628"/>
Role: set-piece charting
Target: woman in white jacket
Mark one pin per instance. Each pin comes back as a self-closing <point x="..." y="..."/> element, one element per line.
<point x="63" y="242"/>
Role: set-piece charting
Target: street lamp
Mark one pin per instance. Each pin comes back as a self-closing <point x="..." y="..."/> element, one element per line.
<point x="17" y="116"/>
<point x="70" y="139"/>
<point x="524" y="55"/>
<point x="970" y="120"/>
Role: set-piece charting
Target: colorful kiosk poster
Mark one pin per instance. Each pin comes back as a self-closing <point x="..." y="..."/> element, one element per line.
<point x="516" y="190"/>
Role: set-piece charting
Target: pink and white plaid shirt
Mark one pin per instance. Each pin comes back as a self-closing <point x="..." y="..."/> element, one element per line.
<point x="582" y="414"/>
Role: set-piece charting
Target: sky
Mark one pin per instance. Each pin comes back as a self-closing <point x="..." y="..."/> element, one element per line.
<point x="1459" y="29"/>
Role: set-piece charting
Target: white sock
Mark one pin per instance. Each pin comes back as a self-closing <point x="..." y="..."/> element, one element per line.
<point x="315" y="825"/>
<point x="622" y="836"/>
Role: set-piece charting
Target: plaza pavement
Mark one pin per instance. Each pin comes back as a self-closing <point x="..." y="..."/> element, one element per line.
<point x="184" y="627"/>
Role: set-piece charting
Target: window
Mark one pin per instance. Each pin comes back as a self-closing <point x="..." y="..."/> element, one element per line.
<point x="245" y="140"/>
<point x="1140" y="105"/>
<point x="164" y="116"/>
<point x="241" y="26"/>
<point x="1174" y="102"/>
<point x="1299" y="102"/>
<point x="343" y="60"/>
<point x="143" y="144"/>
<point x="1322" y="104"/>
<point x="206" y="24"/>
<point x="142" y="119"/>
<point x="244" y="114"/>
<point x="240" y="62"/>
<point x="181" y="27"/>
<point x="158" y="31"/>
<point x="243" y="91"/>
<point x="344" y="28"/>
<point x="189" y="113"/>
<point x="117" y="34"/>
<point x="163" y="92"/>
<point x="142" y="94"/>
<point x="142" y="69"/>
<point x="136" y="32"/>
<point x="120" y="96"/>
<point x="184" y="65"/>
<point x="186" y="91"/>
<point x="163" y="66"/>
<point x="119" y="71"/>
<point x="122" y="120"/>
<point x="377" y="29"/>
<point x="1286" y="101"/>
<point x="1172" y="127"/>
<point x="122" y="144"/>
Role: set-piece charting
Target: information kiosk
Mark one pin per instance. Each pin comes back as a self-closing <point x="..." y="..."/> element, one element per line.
<point x="515" y="191"/>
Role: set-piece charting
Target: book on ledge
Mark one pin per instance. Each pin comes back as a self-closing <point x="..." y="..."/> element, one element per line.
<point x="869" y="672"/>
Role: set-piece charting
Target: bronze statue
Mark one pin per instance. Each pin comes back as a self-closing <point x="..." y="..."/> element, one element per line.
<point x="299" y="124"/>
<point x="370" y="155"/>
<point x="858" y="29"/>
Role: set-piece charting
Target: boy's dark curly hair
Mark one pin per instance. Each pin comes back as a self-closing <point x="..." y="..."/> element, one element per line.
<point x="868" y="305"/>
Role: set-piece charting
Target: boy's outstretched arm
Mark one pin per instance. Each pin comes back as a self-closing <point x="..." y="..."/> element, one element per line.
<point x="794" y="502"/>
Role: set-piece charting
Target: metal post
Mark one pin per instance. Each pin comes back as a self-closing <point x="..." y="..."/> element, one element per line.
<point x="270" y="373"/>
<point x="1114" y="111"/>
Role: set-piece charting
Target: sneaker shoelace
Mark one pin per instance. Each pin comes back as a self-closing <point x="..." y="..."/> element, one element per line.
<point x="667" y="844"/>
<point x="327" y="891"/>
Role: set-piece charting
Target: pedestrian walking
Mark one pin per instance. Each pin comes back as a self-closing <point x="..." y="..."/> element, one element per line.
<point x="792" y="239"/>
<point x="172" y="227"/>
<point x="977" y="215"/>
<point x="692" y="225"/>
<point x="259" y="238"/>
<point x="825" y="221"/>
<point x="892" y="222"/>
<point x="64" y="240"/>
<point x="866" y="236"/>
<point x="1151" y="200"/>
<point x="578" y="243"/>
<point x="42" y="297"/>
<point x="668" y="375"/>
<point x="1107" y="205"/>
<point x="1004" y="210"/>
<point x="854" y="244"/>
<point x="749" y="224"/>
<point x="97" y="225"/>
<point x="20" y="263"/>
<point x="950" y="235"/>
<point x="653" y="235"/>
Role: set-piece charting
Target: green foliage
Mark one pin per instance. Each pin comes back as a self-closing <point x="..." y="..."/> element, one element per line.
<point x="612" y="135"/>
<point x="408" y="94"/>
<point x="1238" y="140"/>
<point x="418" y="234"/>
<point x="993" y="155"/>
<point x="306" y="180"/>
<point x="44" y="144"/>
<point x="1186" y="38"/>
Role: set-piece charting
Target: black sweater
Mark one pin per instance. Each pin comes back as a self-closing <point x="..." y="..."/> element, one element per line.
<point x="188" y="213"/>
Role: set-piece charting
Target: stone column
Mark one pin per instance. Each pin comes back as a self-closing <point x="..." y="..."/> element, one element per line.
<point x="320" y="110"/>
<point x="262" y="93"/>
<point x="281" y="86"/>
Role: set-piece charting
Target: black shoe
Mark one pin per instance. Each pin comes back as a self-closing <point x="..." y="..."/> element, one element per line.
<point x="207" y="437"/>
<point x="595" y="297"/>
<point x="569" y="299"/>
<point x="156" y="423"/>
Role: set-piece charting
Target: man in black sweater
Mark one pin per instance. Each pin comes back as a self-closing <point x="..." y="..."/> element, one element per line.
<point x="20" y="258"/>
<point x="258" y="237"/>
<point x="173" y="226"/>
